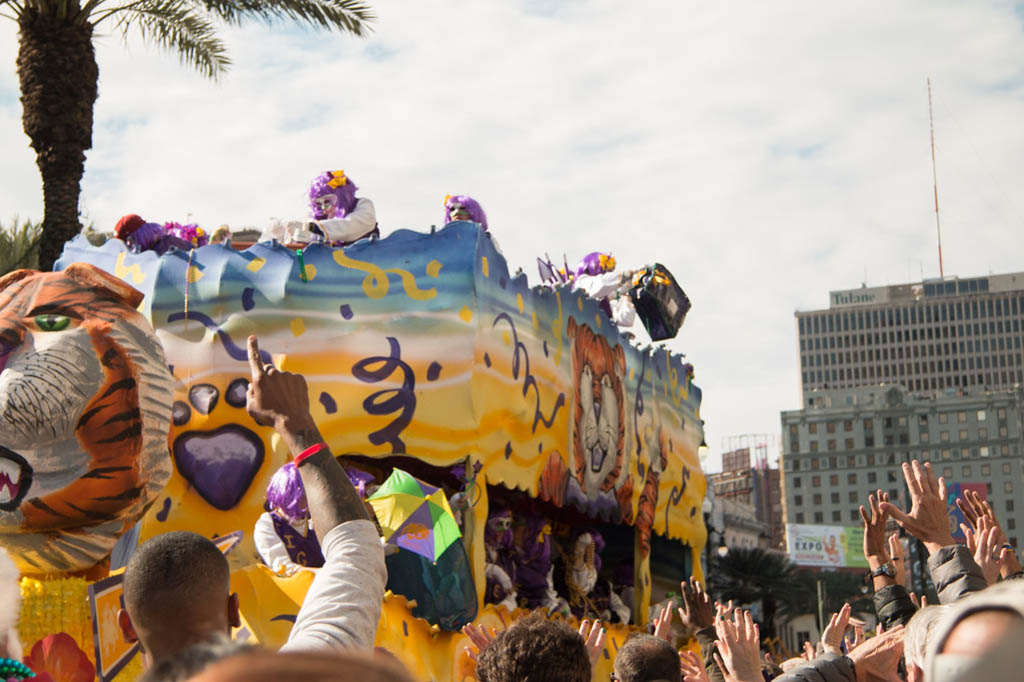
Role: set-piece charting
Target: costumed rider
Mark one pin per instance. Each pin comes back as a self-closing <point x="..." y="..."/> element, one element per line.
<point x="284" y="536"/>
<point x="339" y="218"/>
<point x="464" y="207"/>
<point x="141" y="236"/>
<point x="534" y="570"/>
<point x="589" y="595"/>
<point x="500" y="564"/>
<point x="597" y="278"/>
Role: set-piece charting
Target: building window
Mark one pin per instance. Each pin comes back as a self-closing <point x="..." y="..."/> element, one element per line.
<point x="835" y="498"/>
<point x="1008" y="487"/>
<point x="796" y="482"/>
<point x="1011" y="524"/>
<point x="981" y="413"/>
<point x="798" y="500"/>
<point x="986" y="470"/>
<point x="961" y="417"/>
<point x="966" y="471"/>
<point x="1006" y="468"/>
<point x="851" y="479"/>
<point x="817" y="499"/>
<point x="830" y="427"/>
<point x="963" y="434"/>
<point x="812" y="427"/>
<point x="814" y="446"/>
<point x="1009" y="505"/>
<point x="836" y="517"/>
<point x="819" y="517"/>
<point x="831" y="445"/>
<point x="984" y="451"/>
<point x="872" y="477"/>
<point x="849" y="444"/>
<point x="944" y="436"/>
<point x="854" y="515"/>
<point x="815" y="481"/>
<point x="891" y="476"/>
<point x="948" y="473"/>
<point x="853" y="496"/>
<point x="800" y="517"/>
<point x="833" y="480"/>
<point x="943" y="418"/>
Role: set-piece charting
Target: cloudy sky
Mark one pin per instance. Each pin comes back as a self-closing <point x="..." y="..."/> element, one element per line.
<point x="765" y="152"/>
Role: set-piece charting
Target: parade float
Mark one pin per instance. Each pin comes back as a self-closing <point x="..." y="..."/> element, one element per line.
<point x="550" y="434"/>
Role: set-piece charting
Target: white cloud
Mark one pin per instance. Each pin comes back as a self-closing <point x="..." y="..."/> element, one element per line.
<point x="766" y="152"/>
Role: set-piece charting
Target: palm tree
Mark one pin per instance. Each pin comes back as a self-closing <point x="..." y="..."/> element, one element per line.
<point x="750" y="575"/>
<point x="58" y="74"/>
<point x="19" y="245"/>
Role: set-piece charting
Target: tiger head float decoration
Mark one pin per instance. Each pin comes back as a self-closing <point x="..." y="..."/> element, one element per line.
<point x="85" y="409"/>
<point x="598" y="423"/>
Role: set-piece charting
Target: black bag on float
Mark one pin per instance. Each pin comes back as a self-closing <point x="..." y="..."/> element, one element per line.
<point x="659" y="301"/>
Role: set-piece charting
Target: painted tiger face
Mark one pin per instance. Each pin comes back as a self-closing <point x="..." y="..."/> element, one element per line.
<point x="85" y="409"/>
<point x="599" y="412"/>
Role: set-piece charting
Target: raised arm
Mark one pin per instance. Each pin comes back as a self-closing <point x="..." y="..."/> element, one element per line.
<point x="342" y="606"/>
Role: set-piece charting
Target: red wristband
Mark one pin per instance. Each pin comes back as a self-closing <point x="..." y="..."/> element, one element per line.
<point x="309" y="452"/>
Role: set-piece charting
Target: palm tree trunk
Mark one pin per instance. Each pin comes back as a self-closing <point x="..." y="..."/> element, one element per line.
<point x="58" y="75"/>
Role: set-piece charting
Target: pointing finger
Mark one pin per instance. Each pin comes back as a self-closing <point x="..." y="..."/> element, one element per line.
<point x="255" y="364"/>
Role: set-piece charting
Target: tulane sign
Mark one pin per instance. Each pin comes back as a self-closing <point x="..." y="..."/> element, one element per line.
<point x="860" y="296"/>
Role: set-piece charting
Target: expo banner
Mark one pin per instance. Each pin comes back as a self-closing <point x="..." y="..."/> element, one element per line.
<point x="833" y="546"/>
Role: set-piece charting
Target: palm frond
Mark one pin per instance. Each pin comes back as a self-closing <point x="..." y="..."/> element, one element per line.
<point x="19" y="245"/>
<point x="179" y="27"/>
<point x="353" y="16"/>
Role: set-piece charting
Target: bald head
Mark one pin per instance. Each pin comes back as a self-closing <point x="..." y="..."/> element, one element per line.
<point x="309" y="665"/>
<point x="177" y="592"/>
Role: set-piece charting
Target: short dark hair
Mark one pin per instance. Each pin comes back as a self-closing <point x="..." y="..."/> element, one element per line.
<point x="177" y="568"/>
<point x="644" y="658"/>
<point x="535" y="649"/>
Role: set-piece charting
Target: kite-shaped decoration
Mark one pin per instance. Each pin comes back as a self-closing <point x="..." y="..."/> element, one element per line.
<point x="415" y="515"/>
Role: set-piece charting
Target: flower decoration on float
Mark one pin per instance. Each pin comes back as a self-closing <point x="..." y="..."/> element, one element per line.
<point x="58" y="658"/>
<point x="339" y="179"/>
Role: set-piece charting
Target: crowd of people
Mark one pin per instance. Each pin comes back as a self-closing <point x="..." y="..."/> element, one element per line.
<point x="179" y="607"/>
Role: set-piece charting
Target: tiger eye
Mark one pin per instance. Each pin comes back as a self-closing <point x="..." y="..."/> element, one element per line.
<point x="52" y="323"/>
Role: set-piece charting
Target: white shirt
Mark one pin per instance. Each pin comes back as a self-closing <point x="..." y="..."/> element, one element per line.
<point x="359" y="223"/>
<point x="342" y="607"/>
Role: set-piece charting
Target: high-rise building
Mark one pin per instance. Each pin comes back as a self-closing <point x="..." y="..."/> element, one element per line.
<point x="847" y="443"/>
<point x="753" y="484"/>
<point x="929" y="336"/>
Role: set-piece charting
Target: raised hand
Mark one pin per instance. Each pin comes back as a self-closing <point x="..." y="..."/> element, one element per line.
<point x="663" y="624"/>
<point x="878" y="657"/>
<point x="593" y="636"/>
<point x="857" y="639"/>
<point x="832" y="637"/>
<point x="738" y="644"/>
<point x="974" y="508"/>
<point x="479" y="637"/>
<point x="927" y="519"/>
<point x="698" y="610"/>
<point x="984" y="545"/>
<point x="808" y="652"/>
<point x="898" y="558"/>
<point x="692" y="667"/>
<point x="874" y="529"/>
<point x="280" y="399"/>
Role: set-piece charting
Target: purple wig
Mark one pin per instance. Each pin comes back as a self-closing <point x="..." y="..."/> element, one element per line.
<point x="340" y="191"/>
<point x="145" y="237"/>
<point x="286" y="493"/>
<point x="468" y="204"/>
<point x="595" y="263"/>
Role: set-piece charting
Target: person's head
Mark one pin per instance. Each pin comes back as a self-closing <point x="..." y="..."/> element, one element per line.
<point x="177" y="593"/>
<point x="595" y="263"/>
<point x="325" y="666"/>
<point x="538" y="650"/>
<point x="644" y="658"/>
<point x="194" y="659"/>
<point x="464" y="207"/>
<point x="972" y="628"/>
<point x="285" y="492"/>
<point x="916" y="638"/>
<point x="332" y="195"/>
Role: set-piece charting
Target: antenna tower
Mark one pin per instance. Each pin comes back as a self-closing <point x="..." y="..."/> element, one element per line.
<point x="935" y="179"/>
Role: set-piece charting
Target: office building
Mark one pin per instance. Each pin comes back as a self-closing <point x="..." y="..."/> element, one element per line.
<point x="846" y="443"/>
<point x="930" y="336"/>
<point x="753" y="484"/>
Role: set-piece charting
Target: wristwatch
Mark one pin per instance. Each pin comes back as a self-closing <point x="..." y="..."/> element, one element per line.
<point x="887" y="569"/>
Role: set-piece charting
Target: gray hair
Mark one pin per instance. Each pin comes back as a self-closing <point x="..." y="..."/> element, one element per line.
<point x="194" y="659"/>
<point x="918" y="633"/>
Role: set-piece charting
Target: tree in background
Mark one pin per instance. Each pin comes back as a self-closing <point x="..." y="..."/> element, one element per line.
<point x="58" y="74"/>
<point x="19" y="245"/>
<point x="754" y="575"/>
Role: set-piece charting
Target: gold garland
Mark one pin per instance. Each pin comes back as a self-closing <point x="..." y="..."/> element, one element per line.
<point x="55" y="605"/>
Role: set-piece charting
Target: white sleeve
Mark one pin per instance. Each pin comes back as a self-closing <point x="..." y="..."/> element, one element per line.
<point x="598" y="286"/>
<point x="342" y="607"/>
<point x="356" y="224"/>
<point x="623" y="312"/>
<point x="268" y="545"/>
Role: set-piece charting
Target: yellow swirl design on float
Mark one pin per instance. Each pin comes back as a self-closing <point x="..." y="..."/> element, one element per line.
<point x="375" y="284"/>
<point x="122" y="271"/>
<point x="409" y="283"/>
